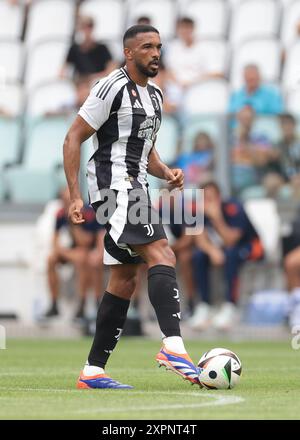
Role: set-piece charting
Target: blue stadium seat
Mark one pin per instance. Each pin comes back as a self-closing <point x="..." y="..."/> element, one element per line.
<point x="9" y="140"/>
<point x="45" y="137"/>
<point x="167" y="139"/>
<point x="212" y="125"/>
<point x="2" y="186"/>
<point x="27" y="185"/>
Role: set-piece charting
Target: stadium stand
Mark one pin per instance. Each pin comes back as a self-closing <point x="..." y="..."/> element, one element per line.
<point x="254" y="18"/>
<point x="211" y="17"/>
<point x="264" y="53"/>
<point x="33" y="97"/>
<point x="50" y="19"/>
<point x="11" y="20"/>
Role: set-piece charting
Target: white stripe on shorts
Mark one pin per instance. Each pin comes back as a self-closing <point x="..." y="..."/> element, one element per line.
<point x="119" y="217"/>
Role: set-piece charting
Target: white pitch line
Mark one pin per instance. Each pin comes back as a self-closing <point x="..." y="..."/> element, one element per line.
<point x="218" y="399"/>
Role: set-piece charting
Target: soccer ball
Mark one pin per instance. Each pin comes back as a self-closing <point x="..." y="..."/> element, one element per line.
<point x="221" y="369"/>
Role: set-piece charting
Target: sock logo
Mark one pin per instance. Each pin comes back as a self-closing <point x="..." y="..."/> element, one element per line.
<point x="177" y="315"/>
<point x="108" y="351"/>
<point x="150" y="230"/>
<point x="177" y="294"/>
<point x="118" y="335"/>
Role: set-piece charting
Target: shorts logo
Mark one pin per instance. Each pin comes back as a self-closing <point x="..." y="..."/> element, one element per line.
<point x="118" y="335"/>
<point x="177" y="294"/>
<point x="177" y="315"/>
<point x="150" y="230"/>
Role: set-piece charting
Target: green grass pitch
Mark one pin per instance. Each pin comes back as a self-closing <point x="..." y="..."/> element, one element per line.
<point x="37" y="381"/>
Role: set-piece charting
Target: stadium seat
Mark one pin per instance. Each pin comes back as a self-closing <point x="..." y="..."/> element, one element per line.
<point x="219" y="53"/>
<point x="11" y="20"/>
<point x="50" y="19"/>
<point x="11" y="60"/>
<point x="10" y="130"/>
<point x="27" y="185"/>
<point x="290" y="19"/>
<point x="162" y="13"/>
<point x="12" y="99"/>
<point x="56" y="96"/>
<point x="265" y="53"/>
<point x="211" y="17"/>
<point x="254" y="18"/>
<point x="293" y="101"/>
<point x="264" y="216"/>
<point x="291" y="70"/>
<point x="108" y="15"/>
<point x="39" y="71"/>
<point x="43" y="148"/>
<point x="2" y="186"/>
<point x="167" y="140"/>
<point x="212" y="125"/>
<point x="268" y="126"/>
<point x="207" y="97"/>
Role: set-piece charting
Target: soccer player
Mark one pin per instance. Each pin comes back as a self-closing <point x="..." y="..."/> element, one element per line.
<point x="123" y="114"/>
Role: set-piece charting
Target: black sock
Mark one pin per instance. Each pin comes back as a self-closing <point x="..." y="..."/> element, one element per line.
<point x="164" y="297"/>
<point x="111" y="317"/>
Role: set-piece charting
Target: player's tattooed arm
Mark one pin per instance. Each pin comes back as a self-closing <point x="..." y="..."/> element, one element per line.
<point x="79" y="132"/>
<point x="157" y="168"/>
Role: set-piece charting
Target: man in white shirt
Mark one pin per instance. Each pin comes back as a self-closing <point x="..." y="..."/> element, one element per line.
<point x="189" y="60"/>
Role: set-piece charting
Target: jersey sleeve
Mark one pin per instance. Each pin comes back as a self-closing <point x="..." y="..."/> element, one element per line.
<point x="95" y="110"/>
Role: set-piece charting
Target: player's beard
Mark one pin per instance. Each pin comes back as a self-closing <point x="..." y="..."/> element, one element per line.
<point x="145" y="70"/>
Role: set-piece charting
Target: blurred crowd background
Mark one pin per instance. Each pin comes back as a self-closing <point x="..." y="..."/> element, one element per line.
<point x="230" y="74"/>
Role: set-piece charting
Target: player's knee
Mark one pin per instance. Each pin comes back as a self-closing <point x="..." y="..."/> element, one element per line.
<point x="164" y="255"/>
<point x="127" y="285"/>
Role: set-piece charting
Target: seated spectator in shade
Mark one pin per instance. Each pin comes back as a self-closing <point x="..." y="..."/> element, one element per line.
<point x="198" y="165"/>
<point x="85" y="253"/>
<point x="228" y="240"/>
<point x="291" y="251"/>
<point x="252" y="154"/>
<point x="187" y="59"/>
<point x="88" y="57"/>
<point x="289" y="147"/>
<point x="263" y="98"/>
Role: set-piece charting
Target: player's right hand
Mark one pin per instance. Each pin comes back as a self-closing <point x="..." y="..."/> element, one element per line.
<point x="75" y="211"/>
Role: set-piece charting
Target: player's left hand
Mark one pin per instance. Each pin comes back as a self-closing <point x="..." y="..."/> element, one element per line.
<point x="175" y="177"/>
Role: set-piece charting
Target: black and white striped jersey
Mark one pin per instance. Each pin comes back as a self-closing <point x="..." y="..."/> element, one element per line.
<point x="126" y="118"/>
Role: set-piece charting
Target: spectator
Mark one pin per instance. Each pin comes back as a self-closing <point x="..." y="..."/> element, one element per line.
<point x="228" y="240"/>
<point x="289" y="151"/>
<point x="291" y="250"/>
<point x="252" y="154"/>
<point x="88" y="57"/>
<point x="264" y="99"/>
<point x="187" y="59"/>
<point x="143" y="20"/>
<point x="85" y="253"/>
<point x="198" y="165"/>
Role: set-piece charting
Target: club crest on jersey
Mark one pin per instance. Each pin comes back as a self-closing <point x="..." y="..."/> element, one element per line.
<point x="133" y="93"/>
<point x="155" y="101"/>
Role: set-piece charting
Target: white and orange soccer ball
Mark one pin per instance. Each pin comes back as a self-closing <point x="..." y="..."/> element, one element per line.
<point x="221" y="369"/>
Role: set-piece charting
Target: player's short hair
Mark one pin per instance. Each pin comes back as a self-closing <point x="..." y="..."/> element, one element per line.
<point x="185" y="20"/>
<point x="133" y="31"/>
